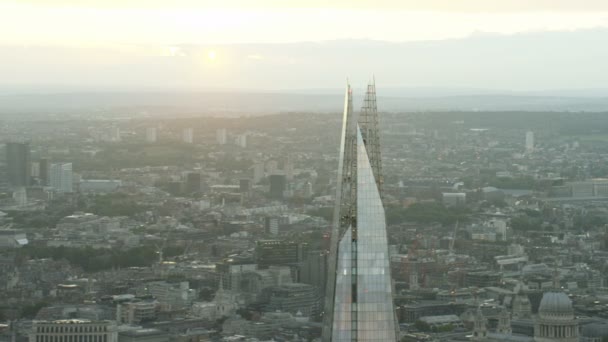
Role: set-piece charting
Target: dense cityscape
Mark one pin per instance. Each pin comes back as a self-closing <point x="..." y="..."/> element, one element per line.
<point x="303" y="171"/>
<point x="130" y="229"/>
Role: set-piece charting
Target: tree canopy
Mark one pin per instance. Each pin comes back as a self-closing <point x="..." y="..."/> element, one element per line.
<point x="426" y="213"/>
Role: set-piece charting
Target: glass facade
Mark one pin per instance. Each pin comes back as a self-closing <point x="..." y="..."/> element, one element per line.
<point x="363" y="307"/>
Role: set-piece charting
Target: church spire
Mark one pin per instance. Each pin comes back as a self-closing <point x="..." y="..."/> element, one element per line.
<point x="480" y="330"/>
<point x="504" y="322"/>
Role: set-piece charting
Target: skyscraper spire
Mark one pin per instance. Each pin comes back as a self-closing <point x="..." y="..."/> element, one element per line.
<point x="359" y="302"/>
<point x="368" y="122"/>
<point x="341" y="209"/>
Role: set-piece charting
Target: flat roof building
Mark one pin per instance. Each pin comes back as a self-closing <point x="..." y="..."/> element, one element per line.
<point x="143" y="335"/>
<point x="73" y="330"/>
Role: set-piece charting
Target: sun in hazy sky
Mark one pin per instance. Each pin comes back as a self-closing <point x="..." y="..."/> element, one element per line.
<point x="298" y="43"/>
<point x="94" y="22"/>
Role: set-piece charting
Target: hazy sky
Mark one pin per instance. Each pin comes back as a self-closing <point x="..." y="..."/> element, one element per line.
<point x="94" y="22"/>
<point x="128" y="30"/>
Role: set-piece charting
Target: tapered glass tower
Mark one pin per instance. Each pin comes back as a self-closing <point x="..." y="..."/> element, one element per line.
<point x="359" y="301"/>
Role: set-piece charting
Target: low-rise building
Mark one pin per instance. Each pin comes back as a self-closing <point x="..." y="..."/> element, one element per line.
<point x="73" y="330"/>
<point x="143" y="335"/>
<point x="454" y="199"/>
<point x="442" y="321"/>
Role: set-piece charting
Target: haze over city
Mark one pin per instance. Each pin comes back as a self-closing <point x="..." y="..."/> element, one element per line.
<point x="303" y="171"/>
<point x="495" y="45"/>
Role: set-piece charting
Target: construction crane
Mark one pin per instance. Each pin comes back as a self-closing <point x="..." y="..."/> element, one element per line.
<point x="451" y="248"/>
<point x="416" y="268"/>
<point x="160" y="249"/>
<point x="184" y="255"/>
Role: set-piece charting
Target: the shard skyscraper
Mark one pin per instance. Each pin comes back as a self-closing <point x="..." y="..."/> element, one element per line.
<point x="359" y="301"/>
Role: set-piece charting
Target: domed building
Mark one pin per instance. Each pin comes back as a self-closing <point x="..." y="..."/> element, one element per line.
<point x="556" y="321"/>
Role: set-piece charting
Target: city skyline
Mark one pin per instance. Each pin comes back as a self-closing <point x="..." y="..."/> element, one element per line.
<point x="218" y="239"/>
<point x="195" y="171"/>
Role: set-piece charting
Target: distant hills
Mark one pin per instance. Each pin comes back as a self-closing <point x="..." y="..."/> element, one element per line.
<point x="240" y="103"/>
<point x="479" y="72"/>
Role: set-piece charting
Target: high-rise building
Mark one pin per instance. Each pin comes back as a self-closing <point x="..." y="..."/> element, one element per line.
<point x="359" y="302"/>
<point x="529" y="141"/>
<point x="231" y="271"/>
<point x="368" y="126"/>
<point x="35" y="170"/>
<point x="258" y="172"/>
<point x="292" y="298"/>
<point x="44" y="171"/>
<point x="241" y="140"/>
<point x="3" y="169"/>
<point x="221" y="136"/>
<point x="272" y="225"/>
<point x="308" y="191"/>
<point x="18" y="164"/>
<point x="20" y="196"/>
<point x="313" y="270"/>
<point x="289" y="172"/>
<point x="279" y="253"/>
<point x="151" y="134"/>
<point x="244" y="185"/>
<point x="175" y="188"/>
<point x="61" y="177"/>
<point x="114" y="134"/>
<point x="278" y="185"/>
<point x="272" y="166"/>
<point x="193" y="182"/>
<point x="188" y="136"/>
<point x="171" y="295"/>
